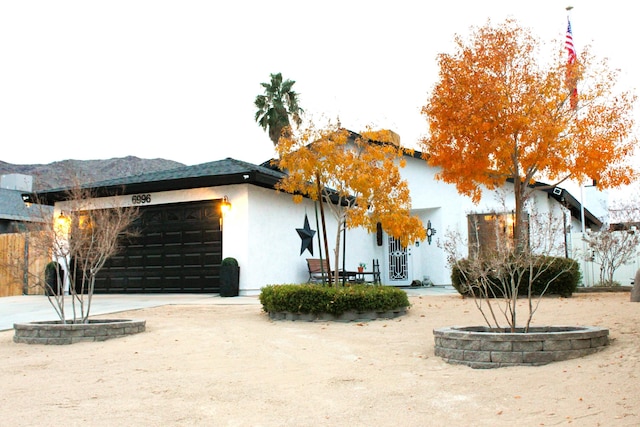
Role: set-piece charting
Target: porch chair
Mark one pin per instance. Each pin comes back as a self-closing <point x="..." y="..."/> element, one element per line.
<point x="318" y="271"/>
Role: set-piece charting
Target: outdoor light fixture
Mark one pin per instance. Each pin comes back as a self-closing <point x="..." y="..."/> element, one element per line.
<point x="225" y="206"/>
<point x="62" y="224"/>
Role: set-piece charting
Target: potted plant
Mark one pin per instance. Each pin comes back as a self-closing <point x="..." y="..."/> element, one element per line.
<point x="361" y="267"/>
<point x="229" y="278"/>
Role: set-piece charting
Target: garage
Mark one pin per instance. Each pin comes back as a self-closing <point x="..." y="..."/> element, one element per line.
<point x="177" y="249"/>
<point x="179" y="245"/>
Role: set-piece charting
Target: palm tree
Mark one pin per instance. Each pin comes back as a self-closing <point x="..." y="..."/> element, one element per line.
<point x="276" y="106"/>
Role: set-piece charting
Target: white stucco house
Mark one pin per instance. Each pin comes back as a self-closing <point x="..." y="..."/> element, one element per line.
<point x="184" y="234"/>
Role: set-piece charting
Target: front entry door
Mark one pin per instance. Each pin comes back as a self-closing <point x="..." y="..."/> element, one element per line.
<point x="399" y="263"/>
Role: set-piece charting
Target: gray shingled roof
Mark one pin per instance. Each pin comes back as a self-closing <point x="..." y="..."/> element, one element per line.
<point x="222" y="172"/>
<point x="218" y="168"/>
<point x="13" y="208"/>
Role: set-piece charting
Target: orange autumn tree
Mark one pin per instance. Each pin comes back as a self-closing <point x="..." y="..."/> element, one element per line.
<point x="358" y="179"/>
<point x="501" y="112"/>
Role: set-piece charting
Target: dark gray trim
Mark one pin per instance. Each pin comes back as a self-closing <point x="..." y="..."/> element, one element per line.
<point x="568" y="201"/>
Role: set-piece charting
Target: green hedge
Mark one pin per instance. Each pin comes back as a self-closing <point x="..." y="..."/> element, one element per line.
<point x="565" y="285"/>
<point x="315" y="299"/>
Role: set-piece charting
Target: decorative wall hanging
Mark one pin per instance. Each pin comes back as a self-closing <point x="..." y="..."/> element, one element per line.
<point x="430" y="231"/>
<point x="306" y="234"/>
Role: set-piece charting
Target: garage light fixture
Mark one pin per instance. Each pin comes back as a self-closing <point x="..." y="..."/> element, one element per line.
<point x="225" y="206"/>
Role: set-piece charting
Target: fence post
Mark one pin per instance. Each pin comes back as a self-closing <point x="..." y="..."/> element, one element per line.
<point x="25" y="266"/>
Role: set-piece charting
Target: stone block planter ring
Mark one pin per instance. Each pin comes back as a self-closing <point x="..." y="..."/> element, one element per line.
<point x="479" y="347"/>
<point x="347" y="316"/>
<point x="55" y="332"/>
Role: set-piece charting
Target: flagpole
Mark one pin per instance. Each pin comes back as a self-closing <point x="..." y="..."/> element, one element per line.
<point x="571" y="51"/>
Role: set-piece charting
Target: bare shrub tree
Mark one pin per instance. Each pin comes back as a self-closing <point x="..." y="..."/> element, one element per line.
<point x="618" y="242"/>
<point x="81" y="238"/>
<point x="495" y="277"/>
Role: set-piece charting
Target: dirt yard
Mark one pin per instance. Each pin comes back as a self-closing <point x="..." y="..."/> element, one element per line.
<point x="213" y="365"/>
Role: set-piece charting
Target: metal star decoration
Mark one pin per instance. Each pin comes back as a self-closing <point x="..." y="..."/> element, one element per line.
<point x="306" y="234"/>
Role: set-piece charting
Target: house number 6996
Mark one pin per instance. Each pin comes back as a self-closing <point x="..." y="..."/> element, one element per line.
<point x="138" y="199"/>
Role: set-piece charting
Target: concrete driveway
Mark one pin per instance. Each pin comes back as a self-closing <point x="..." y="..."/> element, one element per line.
<point x="35" y="308"/>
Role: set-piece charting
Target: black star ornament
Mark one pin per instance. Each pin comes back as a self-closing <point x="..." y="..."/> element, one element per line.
<point x="306" y="234"/>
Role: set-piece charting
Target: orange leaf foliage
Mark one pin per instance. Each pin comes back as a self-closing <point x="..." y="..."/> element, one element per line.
<point x="362" y="177"/>
<point x="498" y="112"/>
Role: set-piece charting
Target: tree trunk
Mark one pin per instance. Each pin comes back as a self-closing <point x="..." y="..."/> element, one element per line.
<point x="635" y="291"/>
<point x="324" y="226"/>
<point x="336" y="276"/>
<point x="519" y="230"/>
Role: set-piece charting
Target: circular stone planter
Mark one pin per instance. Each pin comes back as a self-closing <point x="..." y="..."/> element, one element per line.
<point x="347" y="316"/>
<point x="480" y="347"/>
<point x="55" y="332"/>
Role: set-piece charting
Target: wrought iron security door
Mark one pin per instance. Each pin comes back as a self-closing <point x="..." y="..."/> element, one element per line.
<point x="398" y="261"/>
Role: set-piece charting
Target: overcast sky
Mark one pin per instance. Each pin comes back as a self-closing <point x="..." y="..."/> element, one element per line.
<point x="177" y="79"/>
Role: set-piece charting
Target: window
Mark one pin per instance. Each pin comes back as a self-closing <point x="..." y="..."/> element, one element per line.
<point x="489" y="232"/>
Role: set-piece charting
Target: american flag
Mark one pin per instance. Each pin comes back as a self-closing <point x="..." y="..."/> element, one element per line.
<point x="571" y="53"/>
<point x="571" y="50"/>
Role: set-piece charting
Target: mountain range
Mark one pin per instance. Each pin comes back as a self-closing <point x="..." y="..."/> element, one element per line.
<point x="67" y="173"/>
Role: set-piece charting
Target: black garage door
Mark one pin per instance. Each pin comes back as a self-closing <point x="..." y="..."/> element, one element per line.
<point x="178" y="248"/>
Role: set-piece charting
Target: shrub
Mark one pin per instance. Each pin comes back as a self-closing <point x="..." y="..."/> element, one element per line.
<point x="459" y="280"/>
<point x="230" y="261"/>
<point x="567" y="271"/>
<point x="607" y="284"/>
<point x="565" y="284"/>
<point x="316" y="299"/>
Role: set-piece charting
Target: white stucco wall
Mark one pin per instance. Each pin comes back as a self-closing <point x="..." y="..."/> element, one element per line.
<point x="159" y="198"/>
<point x="264" y="239"/>
<point x="269" y="246"/>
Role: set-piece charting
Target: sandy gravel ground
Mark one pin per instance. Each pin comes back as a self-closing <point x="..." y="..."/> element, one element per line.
<point x="215" y="365"/>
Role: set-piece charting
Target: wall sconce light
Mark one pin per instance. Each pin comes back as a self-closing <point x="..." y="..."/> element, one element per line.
<point x="225" y="206"/>
<point x="62" y="224"/>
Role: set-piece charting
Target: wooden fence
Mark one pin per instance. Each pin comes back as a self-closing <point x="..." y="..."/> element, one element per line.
<point x="21" y="267"/>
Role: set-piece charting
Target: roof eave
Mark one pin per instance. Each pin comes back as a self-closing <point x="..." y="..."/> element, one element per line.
<point x="575" y="207"/>
<point x="249" y="177"/>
